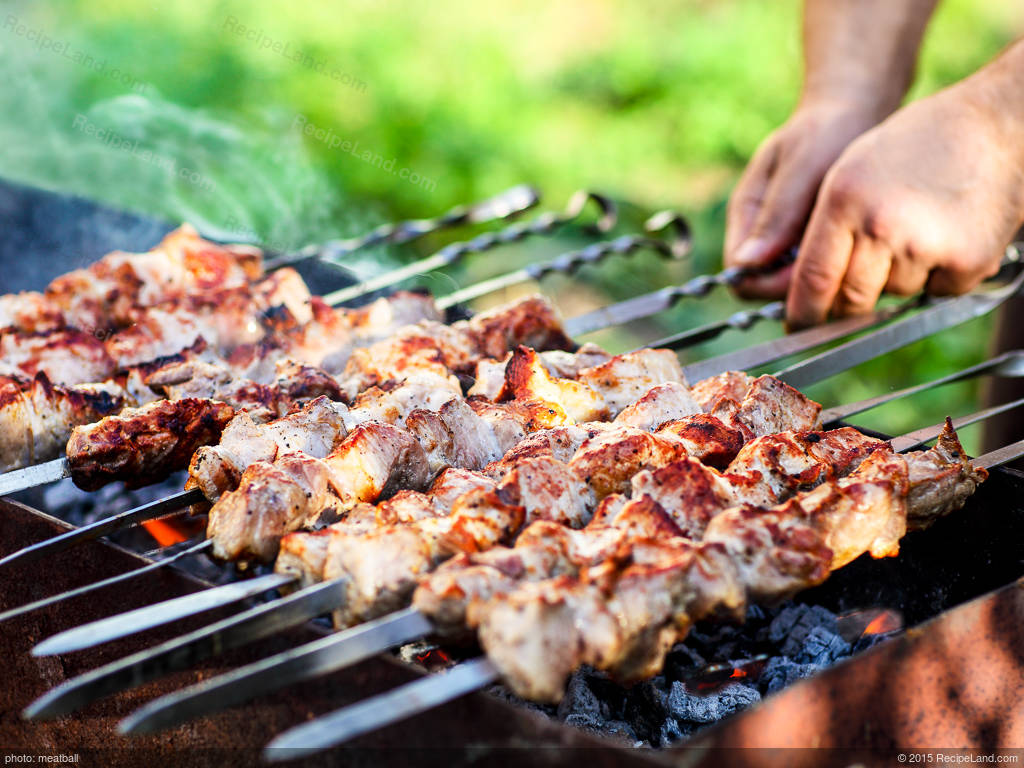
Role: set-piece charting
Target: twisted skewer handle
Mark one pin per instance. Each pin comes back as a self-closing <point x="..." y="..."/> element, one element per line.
<point x="502" y="206"/>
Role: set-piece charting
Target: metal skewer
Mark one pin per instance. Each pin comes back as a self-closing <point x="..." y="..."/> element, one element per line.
<point x="336" y="652"/>
<point x="544" y="224"/>
<point x="21" y="610"/>
<point x="123" y="625"/>
<point x="678" y="247"/>
<point x="649" y="304"/>
<point x="509" y="203"/>
<point x="377" y="711"/>
<point x="149" y="511"/>
<point x="414" y="698"/>
<point x="873" y="344"/>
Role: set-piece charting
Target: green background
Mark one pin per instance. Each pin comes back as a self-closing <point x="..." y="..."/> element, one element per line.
<point x="657" y="103"/>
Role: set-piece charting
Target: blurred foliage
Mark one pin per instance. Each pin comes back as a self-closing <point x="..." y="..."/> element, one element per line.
<point x="656" y="102"/>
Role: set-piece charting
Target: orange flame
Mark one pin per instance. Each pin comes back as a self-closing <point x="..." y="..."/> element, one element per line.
<point x="883" y="622"/>
<point x="738" y="672"/>
<point x="164" y="532"/>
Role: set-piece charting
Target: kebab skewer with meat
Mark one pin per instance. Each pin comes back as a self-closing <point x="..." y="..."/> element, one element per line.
<point x="381" y="564"/>
<point x="104" y="295"/>
<point x="425" y="346"/>
<point x="626" y="607"/>
<point x="39" y="416"/>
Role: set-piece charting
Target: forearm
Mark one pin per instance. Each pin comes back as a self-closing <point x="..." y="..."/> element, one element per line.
<point x="996" y="93"/>
<point x="862" y="52"/>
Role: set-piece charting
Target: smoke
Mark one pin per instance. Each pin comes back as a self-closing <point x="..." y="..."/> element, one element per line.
<point x="250" y="180"/>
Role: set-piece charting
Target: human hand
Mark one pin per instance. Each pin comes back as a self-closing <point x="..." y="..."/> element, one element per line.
<point x="770" y="206"/>
<point x="928" y="199"/>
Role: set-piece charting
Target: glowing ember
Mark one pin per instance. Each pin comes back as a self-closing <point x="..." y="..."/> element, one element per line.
<point x="435" y="656"/>
<point x="165" y="532"/>
<point x="886" y="621"/>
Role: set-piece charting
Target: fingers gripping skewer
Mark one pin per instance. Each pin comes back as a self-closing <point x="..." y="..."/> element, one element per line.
<point x="545" y="224"/>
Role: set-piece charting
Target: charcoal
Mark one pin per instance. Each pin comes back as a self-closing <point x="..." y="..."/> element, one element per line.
<point x="620" y="729"/>
<point x="756" y="613"/>
<point x="790" y="628"/>
<point x="781" y="672"/>
<point x="615" y="728"/>
<point x="822" y="648"/>
<point x="644" y="708"/>
<point x="504" y="694"/>
<point x="672" y="731"/>
<point x="711" y="707"/>
<point x="579" y="699"/>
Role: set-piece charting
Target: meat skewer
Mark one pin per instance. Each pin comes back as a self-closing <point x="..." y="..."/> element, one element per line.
<point x="37" y="425"/>
<point x="295" y="616"/>
<point x="330" y="653"/>
<point x="307" y="342"/>
<point x="646" y="599"/>
<point x="94" y="299"/>
<point x="425" y="346"/>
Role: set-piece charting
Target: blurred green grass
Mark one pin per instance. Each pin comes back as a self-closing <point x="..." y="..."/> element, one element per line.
<point x="660" y="103"/>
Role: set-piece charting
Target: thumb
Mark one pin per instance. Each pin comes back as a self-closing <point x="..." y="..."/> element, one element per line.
<point x="782" y="218"/>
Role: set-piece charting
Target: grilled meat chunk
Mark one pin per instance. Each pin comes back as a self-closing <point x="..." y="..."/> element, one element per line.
<point x="704" y="437"/>
<point x="941" y="480"/>
<point x="526" y="378"/>
<point x="314" y="430"/>
<point x="626" y="378"/>
<point x="101" y="297"/>
<point x="769" y="406"/>
<point x="37" y="417"/>
<point x="141" y="445"/>
<point x="490" y="374"/>
<point x="67" y="356"/>
<point x="247" y="523"/>
<point x="608" y="460"/>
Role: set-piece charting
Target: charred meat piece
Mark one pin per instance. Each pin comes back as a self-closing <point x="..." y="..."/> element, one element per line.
<point x="37" y="417"/>
<point x="142" y="445"/>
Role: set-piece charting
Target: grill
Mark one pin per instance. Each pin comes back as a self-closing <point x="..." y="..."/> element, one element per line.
<point x="951" y="681"/>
